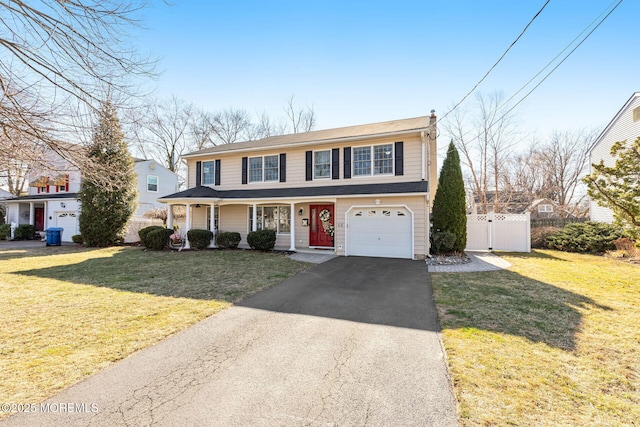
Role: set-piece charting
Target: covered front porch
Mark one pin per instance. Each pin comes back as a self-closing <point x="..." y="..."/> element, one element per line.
<point x="300" y="224"/>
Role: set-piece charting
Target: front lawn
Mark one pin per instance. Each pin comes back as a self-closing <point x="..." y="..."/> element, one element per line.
<point x="554" y="340"/>
<point x="68" y="312"/>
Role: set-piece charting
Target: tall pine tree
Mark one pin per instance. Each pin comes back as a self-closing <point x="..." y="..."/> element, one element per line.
<point x="449" y="207"/>
<point x="107" y="205"/>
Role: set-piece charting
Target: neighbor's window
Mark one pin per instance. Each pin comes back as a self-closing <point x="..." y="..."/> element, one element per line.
<point x="322" y="164"/>
<point x="277" y="218"/>
<point x="382" y="156"/>
<point x="152" y="183"/>
<point x="270" y="171"/>
<point x="207" y="173"/>
<point x="545" y="208"/>
<point x="636" y="114"/>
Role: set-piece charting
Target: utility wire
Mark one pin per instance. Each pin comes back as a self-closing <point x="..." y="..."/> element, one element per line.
<point x="545" y="67"/>
<point x="497" y="62"/>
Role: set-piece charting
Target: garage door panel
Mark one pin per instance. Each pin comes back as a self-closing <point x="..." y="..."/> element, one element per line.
<point x="68" y="221"/>
<point x="380" y="232"/>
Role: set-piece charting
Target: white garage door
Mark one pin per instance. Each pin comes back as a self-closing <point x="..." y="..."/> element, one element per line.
<point x="69" y="222"/>
<point x="380" y="232"/>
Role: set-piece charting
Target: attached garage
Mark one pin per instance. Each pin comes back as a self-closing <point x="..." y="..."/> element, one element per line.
<point x="380" y="231"/>
<point x="69" y="222"/>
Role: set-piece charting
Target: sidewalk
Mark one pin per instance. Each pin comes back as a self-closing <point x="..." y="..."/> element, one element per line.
<point x="480" y="261"/>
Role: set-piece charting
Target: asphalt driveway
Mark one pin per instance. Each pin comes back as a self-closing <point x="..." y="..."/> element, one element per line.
<point x="350" y="342"/>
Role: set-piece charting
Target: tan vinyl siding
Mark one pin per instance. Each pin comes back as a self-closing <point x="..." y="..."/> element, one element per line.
<point x="231" y="166"/>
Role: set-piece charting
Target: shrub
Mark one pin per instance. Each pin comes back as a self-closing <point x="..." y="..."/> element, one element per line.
<point x="539" y="236"/>
<point x="228" y="240"/>
<point x="77" y="238"/>
<point x="144" y="232"/>
<point x="590" y="237"/>
<point x="158" y="239"/>
<point x="5" y="231"/>
<point x="627" y="247"/>
<point x="262" y="240"/>
<point x="443" y="242"/>
<point x="199" y="239"/>
<point x="24" y="232"/>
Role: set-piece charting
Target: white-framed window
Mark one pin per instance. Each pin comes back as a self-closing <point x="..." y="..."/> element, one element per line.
<point x="636" y="114"/>
<point x="322" y="164"/>
<point x="373" y="160"/>
<point x="545" y="208"/>
<point x="152" y="183"/>
<point x="61" y="188"/>
<point x="216" y="218"/>
<point x="208" y="177"/>
<point x="265" y="168"/>
<point x="277" y="218"/>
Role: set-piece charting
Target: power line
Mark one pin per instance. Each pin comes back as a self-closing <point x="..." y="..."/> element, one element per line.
<point x="498" y="61"/>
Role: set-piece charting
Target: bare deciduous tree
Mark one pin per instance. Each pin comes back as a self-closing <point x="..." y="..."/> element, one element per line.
<point x="300" y="119"/>
<point x="58" y="54"/>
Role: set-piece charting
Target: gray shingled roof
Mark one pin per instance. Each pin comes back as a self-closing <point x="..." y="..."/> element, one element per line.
<point x="203" y="192"/>
<point x="320" y="136"/>
<point x="43" y="196"/>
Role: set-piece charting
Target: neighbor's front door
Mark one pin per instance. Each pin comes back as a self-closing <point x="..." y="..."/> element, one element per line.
<point x="322" y="225"/>
<point x="39" y="219"/>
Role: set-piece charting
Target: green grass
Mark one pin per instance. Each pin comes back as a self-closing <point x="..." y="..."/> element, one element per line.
<point x="554" y="340"/>
<point x="68" y="312"/>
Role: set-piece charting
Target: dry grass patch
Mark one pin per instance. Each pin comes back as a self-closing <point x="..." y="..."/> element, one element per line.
<point x="554" y="340"/>
<point x="69" y="312"/>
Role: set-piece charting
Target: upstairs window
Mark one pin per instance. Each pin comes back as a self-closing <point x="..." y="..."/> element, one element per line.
<point x="266" y="168"/>
<point x="208" y="176"/>
<point x="322" y="164"/>
<point x="373" y="160"/>
<point x="152" y="183"/>
<point x="636" y="114"/>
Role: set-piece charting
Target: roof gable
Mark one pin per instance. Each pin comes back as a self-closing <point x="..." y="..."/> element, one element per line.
<point x="615" y="119"/>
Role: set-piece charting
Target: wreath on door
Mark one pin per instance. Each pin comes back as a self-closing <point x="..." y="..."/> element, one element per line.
<point x="325" y="218"/>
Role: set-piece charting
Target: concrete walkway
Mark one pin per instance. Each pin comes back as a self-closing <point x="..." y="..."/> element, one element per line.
<point x="314" y="258"/>
<point x="480" y="261"/>
<point x="350" y="342"/>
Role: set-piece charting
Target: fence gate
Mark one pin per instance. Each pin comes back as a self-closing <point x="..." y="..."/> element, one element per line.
<point x="499" y="232"/>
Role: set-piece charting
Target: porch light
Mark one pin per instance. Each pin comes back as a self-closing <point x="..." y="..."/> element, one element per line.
<point x="300" y="212"/>
<point x="62" y="205"/>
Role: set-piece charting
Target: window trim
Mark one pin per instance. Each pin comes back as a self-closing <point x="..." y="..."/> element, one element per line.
<point x="545" y="210"/>
<point x="330" y="163"/>
<point x="373" y="160"/>
<point x="213" y="173"/>
<point x="263" y="168"/>
<point x="157" y="183"/>
<point x="260" y="214"/>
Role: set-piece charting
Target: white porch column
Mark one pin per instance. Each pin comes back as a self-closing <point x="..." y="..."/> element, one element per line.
<point x="31" y="213"/>
<point x="292" y="226"/>
<point x="254" y="223"/>
<point x="212" y="224"/>
<point x="187" y="226"/>
<point x="170" y="216"/>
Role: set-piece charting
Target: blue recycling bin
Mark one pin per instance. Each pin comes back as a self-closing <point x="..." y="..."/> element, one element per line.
<point x="54" y="236"/>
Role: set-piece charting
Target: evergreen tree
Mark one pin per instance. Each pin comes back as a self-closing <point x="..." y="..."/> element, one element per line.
<point x="618" y="187"/>
<point x="107" y="204"/>
<point x="449" y="207"/>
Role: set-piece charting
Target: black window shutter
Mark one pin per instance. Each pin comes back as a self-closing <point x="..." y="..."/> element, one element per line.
<point x="335" y="163"/>
<point x="198" y="174"/>
<point x="347" y="162"/>
<point x="217" y="176"/>
<point x="399" y="158"/>
<point x="245" y="160"/>
<point x="283" y="167"/>
<point x="309" y="165"/>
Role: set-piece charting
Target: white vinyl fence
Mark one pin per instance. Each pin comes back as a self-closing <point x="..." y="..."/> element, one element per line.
<point x="499" y="232"/>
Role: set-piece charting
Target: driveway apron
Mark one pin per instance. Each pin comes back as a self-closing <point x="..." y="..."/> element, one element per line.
<point x="350" y="342"/>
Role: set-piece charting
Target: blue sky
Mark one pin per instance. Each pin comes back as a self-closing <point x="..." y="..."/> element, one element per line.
<point x="367" y="61"/>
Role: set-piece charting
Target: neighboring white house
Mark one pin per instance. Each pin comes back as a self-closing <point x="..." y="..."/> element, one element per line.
<point x="52" y="197"/>
<point x="624" y="126"/>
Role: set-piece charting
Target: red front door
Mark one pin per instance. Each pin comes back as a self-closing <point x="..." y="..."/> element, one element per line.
<point x="39" y="219"/>
<point x="321" y="229"/>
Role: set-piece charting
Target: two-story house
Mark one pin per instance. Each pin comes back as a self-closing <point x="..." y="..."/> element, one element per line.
<point x="359" y="190"/>
<point x="625" y="125"/>
<point x="52" y="201"/>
